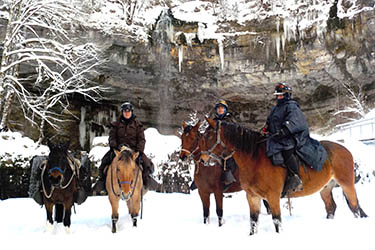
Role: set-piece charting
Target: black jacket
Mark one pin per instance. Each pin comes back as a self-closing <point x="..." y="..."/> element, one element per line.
<point x="287" y="115"/>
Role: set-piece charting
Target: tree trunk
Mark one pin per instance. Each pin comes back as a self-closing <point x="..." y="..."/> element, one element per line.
<point x="7" y="108"/>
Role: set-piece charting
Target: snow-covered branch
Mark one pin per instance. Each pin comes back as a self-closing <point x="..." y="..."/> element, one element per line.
<point x="37" y="36"/>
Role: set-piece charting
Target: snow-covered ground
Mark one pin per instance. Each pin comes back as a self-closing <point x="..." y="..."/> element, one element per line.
<point x="174" y="221"/>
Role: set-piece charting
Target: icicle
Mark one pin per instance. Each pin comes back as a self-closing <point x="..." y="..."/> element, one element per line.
<point x="277" y="41"/>
<point x="180" y="56"/>
<point x="82" y="128"/>
<point x="221" y="53"/>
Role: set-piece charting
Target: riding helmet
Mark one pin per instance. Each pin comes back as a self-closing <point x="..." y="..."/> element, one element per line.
<point x="222" y="103"/>
<point x="127" y="106"/>
<point x="282" y="89"/>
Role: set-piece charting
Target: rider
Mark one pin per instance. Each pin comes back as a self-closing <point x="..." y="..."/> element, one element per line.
<point x="287" y="129"/>
<point x="222" y="114"/>
<point x="126" y="131"/>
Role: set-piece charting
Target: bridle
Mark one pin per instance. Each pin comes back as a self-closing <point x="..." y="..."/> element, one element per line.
<point x="193" y="153"/>
<point x="218" y="142"/>
<point x="57" y="168"/>
<point x="119" y="182"/>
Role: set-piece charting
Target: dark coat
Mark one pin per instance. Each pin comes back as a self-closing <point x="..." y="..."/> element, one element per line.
<point x="287" y="114"/>
<point x="227" y="118"/>
<point x="128" y="132"/>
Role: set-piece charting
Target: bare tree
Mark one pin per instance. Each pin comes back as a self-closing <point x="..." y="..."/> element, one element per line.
<point x="131" y="8"/>
<point x="357" y="101"/>
<point x="37" y="36"/>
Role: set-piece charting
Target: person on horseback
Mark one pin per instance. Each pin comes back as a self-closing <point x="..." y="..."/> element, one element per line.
<point x="126" y="130"/>
<point x="286" y="128"/>
<point x="222" y="114"/>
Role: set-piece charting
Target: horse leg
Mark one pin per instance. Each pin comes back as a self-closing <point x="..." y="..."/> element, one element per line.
<point x="134" y="205"/>
<point x="205" y="197"/>
<point x="68" y="213"/>
<point x="115" y="204"/>
<point x="219" y="206"/>
<point x="352" y="201"/>
<point x="254" y="204"/>
<point x="49" y="210"/>
<point x="274" y="203"/>
<point x="326" y="195"/>
<point x="59" y="213"/>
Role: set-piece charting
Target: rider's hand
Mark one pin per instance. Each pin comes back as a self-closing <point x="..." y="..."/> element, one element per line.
<point x="264" y="131"/>
<point x="283" y="132"/>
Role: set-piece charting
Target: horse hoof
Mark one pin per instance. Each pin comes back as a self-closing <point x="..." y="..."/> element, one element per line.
<point x="134" y="222"/>
<point x="221" y="222"/>
<point x="330" y="216"/>
<point x="113" y="230"/>
<point x="49" y="227"/>
<point x="67" y="230"/>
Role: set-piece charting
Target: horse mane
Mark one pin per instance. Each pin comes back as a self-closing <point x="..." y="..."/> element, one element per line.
<point x="243" y="139"/>
<point x="187" y="129"/>
<point x="125" y="155"/>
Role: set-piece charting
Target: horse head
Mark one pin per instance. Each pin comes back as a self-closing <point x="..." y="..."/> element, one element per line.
<point x="189" y="140"/>
<point x="127" y="171"/>
<point x="57" y="163"/>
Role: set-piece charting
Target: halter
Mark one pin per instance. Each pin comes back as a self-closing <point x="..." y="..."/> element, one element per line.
<point x="72" y="165"/>
<point x="124" y="182"/>
<point x="195" y="150"/>
<point x="219" y="142"/>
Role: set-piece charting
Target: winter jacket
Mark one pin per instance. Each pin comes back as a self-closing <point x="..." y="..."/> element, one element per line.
<point x="287" y="115"/>
<point x="227" y="118"/>
<point x="129" y="132"/>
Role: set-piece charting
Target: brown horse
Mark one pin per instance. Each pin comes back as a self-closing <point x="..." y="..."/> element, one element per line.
<point x="207" y="178"/>
<point x="124" y="180"/>
<point x="59" y="179"/>
<point x="260" y="179"/>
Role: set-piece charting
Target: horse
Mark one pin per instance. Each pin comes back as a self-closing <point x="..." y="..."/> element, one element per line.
<point x="207" y="178"/>
<point x="262" y="180"/>
<point x="59" y="179"/>
<point x="124" y="180"/>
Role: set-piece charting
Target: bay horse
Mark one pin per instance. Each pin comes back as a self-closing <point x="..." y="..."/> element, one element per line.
<point x="207" y="178"/>
<point x="262" y="180"/>
<point x="59" y="178"/>
<point x="124" y="180"/>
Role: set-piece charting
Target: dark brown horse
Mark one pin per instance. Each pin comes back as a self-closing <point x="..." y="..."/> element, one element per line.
<point x="124" y="180"/>
<point x="59" y="184"/>
<point x="207" y="178"/>
<point x="262" y="180"/>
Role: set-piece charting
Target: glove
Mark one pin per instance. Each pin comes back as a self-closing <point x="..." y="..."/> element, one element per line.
<point x="264" y="131"/>
<point x="283" y="132"/>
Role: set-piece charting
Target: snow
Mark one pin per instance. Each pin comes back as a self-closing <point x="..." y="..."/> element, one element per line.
<point x="174" y="221"/>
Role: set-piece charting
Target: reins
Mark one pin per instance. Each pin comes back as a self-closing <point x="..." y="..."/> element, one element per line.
<point x="124" y="182"/>
<point x="220" y="157"/>
<point x="44" y="166"/>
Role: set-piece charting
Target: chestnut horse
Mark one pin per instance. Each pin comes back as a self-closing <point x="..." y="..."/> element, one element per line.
<point x="59" y="179"/>
<point x="124" y="180"/>
<point x="262" y="180"/>
<point x="207" y="178"/>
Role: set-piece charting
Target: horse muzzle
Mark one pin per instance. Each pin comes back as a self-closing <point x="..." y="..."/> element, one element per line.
<point x="125" y="197"/>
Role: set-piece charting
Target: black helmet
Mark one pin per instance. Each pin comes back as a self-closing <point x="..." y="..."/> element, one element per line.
<point x="127" y="106"/>
<point x="283" y="89"/>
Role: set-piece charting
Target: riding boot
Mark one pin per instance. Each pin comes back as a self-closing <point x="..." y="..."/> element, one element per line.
<point x="294" y="182"/>
<point x="148" y="168"/>
<point x="228" y="175"/>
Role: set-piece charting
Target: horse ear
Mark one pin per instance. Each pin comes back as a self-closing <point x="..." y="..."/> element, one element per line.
<point x="184" y="124"/>
<point x="135" y="155"/>
<point x="116" y="152"/>
<point x="211" y="122"/>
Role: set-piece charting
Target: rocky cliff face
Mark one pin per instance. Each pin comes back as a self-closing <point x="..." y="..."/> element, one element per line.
<point x="175" y="73"/>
